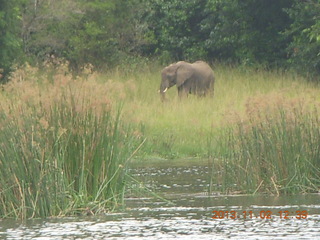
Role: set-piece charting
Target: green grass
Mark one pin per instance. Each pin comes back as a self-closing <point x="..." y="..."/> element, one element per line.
<point x="177" y="129"/>
<point x="61" y="154"/>
<point x="276" y="152"/>
<point x="65" y="143"/>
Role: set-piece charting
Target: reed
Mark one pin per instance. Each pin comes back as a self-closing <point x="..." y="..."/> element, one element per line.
<point x="65" y="142"/>
<point x="64" y="150"/>
<point x="274" y="149"/>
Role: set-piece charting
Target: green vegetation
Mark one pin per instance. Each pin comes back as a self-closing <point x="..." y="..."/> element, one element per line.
<point x="65" y="144"/>
<point x="10" y="40"/>
<point x="64" y="149"/>
<point x="80" y="97"/>
<point x="105" y="34"/>
<point x="260" y="125"/>
<point x="274" y="149"/>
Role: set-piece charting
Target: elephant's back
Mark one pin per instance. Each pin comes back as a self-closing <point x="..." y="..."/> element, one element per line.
<point x="204" y="69"/>
<point x="202" y="65"/>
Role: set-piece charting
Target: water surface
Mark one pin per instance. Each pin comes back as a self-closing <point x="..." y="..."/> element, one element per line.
<point x="185" y="214"/>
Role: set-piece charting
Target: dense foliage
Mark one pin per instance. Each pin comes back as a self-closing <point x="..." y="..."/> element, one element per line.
<point x="10" y="43"/>
<point x="304" y="33"/>
<point x="247" y="31"/>
<point x="274" y="33"/>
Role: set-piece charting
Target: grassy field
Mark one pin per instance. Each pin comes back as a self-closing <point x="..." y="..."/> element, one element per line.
<point x="177" y="129"/>
<point x="261" y="130"/>
<point x="65" y="142"/>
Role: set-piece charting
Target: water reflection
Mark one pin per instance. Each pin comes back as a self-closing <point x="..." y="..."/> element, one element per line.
<point x="188" y="217"/>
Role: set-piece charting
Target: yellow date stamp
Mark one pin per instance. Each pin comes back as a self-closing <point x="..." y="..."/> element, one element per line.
<point x="262" y="214"/>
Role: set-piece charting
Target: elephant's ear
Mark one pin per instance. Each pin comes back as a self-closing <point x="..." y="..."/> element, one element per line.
<point x="184" y="72"/>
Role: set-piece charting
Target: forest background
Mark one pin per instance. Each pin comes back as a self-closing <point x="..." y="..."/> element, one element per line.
<point x="104" y="34"/>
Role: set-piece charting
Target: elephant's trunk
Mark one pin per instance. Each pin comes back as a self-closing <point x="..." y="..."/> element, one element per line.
<point x="163" y="94"/>
<point x="162" y="91"/>
<point x="165" y="84"/>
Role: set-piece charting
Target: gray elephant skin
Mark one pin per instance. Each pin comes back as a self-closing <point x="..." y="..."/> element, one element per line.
<point x="190" y="78"/>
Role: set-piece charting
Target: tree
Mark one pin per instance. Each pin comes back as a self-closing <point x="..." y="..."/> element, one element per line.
<point x="175" y="28"/>
<point x="249" y="31"/>
<point x="82" y="32"/>
<point x="304" y="32"/>
<point x="10" y="41"/>
<point x="241" y="31"/>
<point x="46" y="27"/>
<point x="106" y="33"/>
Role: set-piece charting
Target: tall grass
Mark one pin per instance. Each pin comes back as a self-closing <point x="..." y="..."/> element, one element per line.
<point x="65" y="143"/>
<point x="261" y="128"/>
<point x="64" y="148"/>
<point x="274" y="148"/>
<point x="197" y="127"/>
<point x="181" y="128"/>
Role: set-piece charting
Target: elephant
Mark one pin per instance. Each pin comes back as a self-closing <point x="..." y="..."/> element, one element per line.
<point x="194" y="78"/>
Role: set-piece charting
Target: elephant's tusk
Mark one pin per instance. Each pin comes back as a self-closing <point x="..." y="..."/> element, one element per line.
<point x="165" y="90"/>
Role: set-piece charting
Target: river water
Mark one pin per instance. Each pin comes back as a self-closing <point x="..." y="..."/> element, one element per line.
<point x="186" y="211"/>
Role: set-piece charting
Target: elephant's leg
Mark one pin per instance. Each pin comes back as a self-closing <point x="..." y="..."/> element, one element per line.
<point x="200" y="91"/>
<point x="211" y="90"/>
<point x="183" y="92"/>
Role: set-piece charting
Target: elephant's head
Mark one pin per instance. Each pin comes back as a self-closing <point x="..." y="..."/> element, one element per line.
<point x="174" y="74"/>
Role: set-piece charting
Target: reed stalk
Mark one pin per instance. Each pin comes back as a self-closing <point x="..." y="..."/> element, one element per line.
<point x="275" y="151"/>
<point x="62" y="157"/>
